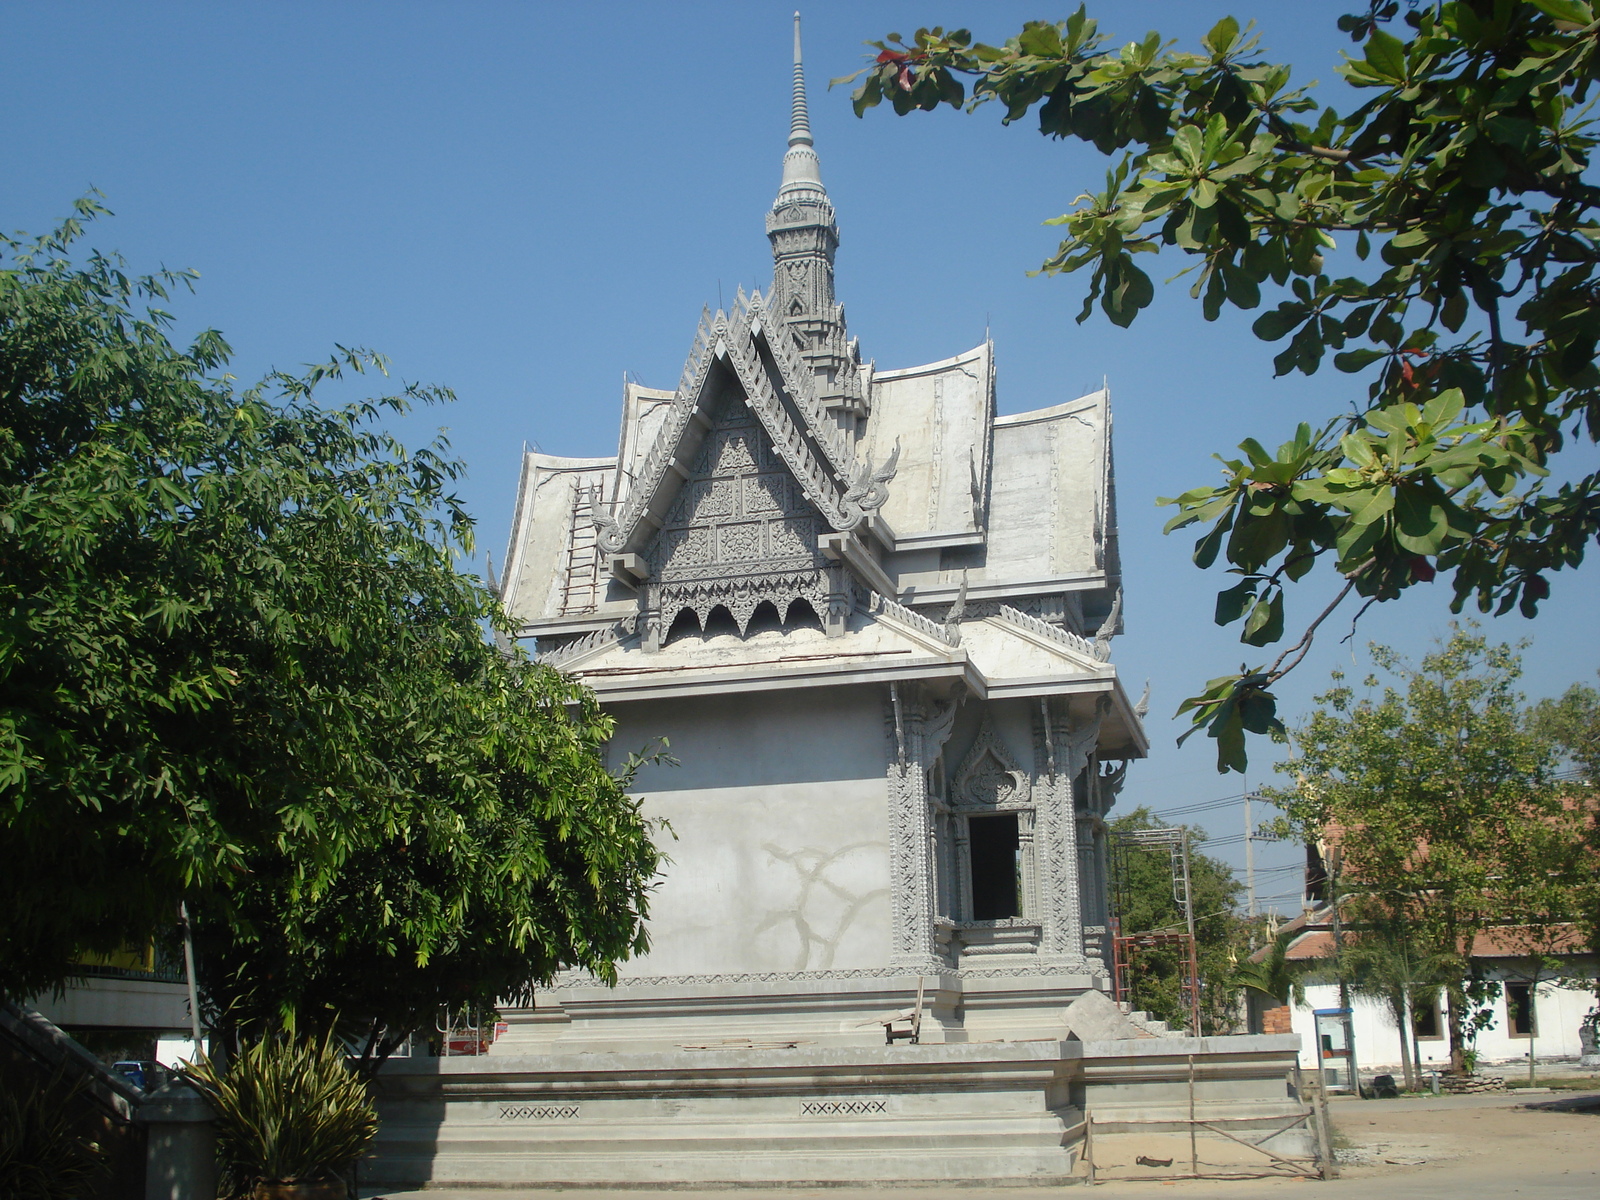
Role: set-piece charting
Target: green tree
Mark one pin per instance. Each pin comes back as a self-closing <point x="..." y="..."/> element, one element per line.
<point x="1434" y="800"/>
<point x="1146" y="904"/>
<point x="1572" y="722"/>
<point x="1441" y="238"/>
<point x="241" y="669"/>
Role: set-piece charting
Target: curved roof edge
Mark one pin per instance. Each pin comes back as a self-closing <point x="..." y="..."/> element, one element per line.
<point x="556" y="462"/>
<point x="944" y="364"/>
<point x="1098" y="396"/>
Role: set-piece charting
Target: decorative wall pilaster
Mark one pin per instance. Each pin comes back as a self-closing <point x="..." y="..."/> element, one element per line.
<point x="1061" y="748"/>
<point x="917" y="726"/>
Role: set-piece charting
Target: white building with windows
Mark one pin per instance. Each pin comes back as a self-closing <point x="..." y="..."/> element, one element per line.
<point x="1542" y="1001"/>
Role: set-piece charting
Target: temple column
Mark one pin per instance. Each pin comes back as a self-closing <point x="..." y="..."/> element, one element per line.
<point x="917" y="727"/>
<point x="1061" y="748"/>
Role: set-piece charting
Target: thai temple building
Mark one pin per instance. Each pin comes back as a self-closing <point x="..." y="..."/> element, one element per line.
<point x="874" y="620"/>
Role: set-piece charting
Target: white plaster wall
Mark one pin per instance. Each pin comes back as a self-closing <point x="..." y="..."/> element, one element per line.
<point x="1557" y="1012"/>
<point x="780" y="810"/>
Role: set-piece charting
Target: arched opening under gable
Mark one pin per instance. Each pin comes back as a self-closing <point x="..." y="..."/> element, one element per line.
<point x="801" y="615"/>
<point x="719" y="621"/>
<point x="685" y="624"/>
<point x="765" y="619"/>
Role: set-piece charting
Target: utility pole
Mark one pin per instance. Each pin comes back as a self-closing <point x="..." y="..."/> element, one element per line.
<point x="188" y="977"/>
<point x="1249" y="855"/>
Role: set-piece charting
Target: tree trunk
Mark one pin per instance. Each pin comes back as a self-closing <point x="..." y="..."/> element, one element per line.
<point x="1457" y="1003"/>
<point x="1407" y="1060"/>
<point x="1457" y="994"/>
<point x="1416" y="1046"/>
<point x="1533" y="1023"/>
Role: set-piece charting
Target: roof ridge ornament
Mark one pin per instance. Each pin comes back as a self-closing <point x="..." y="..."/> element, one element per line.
<point x="1108" y="630"/>
<point x="870" y="488"/>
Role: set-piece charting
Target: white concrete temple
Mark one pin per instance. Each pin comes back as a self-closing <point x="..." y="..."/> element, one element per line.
<point x="874" y="621"/>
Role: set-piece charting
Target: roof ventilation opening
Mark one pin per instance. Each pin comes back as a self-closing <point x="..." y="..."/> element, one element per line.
<point x="720" y="622"/>
<point x="765" y="619"/>
<point x="685" y="624"/>
<point x="802" y="616"/>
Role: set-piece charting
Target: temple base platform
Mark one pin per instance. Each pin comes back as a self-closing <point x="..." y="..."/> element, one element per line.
<point x="990" y="1113"/>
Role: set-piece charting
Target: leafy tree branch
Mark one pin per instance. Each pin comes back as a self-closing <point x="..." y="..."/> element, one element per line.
<point x="1470" y="298"/>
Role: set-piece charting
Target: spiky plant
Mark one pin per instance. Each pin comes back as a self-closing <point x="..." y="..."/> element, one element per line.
<point x="288" y="1111"/>
<point x="43" y="1156"/>
<point x="1276" y="976"/>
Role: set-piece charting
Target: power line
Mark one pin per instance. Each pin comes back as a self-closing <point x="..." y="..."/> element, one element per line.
<point x="1276" y="870"/>
<point x="1201" y="806"/>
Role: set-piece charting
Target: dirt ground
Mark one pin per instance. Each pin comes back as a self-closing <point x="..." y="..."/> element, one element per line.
<point x="1537" y="1147"/>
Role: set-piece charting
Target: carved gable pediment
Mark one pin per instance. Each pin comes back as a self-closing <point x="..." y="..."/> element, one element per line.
<point x="745" y="474"/>
<point x="989" y="777"/>
<point x="753" y="348"/>
<point x="741" y="529"/>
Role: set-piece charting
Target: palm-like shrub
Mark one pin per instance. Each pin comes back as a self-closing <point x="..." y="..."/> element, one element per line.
<point x="43" y="1153"/>
<point x="288" y="1111"/>
<point x="1276" y="976"/>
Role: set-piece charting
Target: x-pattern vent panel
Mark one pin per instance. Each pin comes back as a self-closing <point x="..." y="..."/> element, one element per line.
<point x="844" y="1108"/>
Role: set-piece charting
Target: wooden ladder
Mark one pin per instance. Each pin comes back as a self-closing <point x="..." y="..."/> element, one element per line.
<point x="581" y="588"/>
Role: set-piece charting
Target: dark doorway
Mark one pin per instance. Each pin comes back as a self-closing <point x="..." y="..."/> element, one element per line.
<point x="1425" y="1016"/>
<point x="996" y="881"/>
<point x="1519" y="1008"/>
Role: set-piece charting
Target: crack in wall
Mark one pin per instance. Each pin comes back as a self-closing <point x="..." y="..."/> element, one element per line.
<point x="811" y="866"/>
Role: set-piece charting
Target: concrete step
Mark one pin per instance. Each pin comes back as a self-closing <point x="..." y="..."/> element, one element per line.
<point x="910" y="1134"/>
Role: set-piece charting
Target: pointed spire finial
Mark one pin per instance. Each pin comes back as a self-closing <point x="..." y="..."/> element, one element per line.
<point x="802" y="173"/>
<point x="799" y="118"/>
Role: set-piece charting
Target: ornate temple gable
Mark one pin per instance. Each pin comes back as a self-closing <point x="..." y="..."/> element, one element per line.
<point x="750" y="346"/>
<point x="744" y="479"/>
<point x="741" y="530"/>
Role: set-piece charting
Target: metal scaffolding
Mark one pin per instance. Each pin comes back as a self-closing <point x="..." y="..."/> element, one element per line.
<point x="1126" y="945"/>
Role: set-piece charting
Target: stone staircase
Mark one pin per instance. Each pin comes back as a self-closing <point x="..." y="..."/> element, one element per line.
<point x="1148" y="1025"/>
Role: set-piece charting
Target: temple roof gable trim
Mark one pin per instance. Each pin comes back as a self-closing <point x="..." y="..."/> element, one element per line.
<point x="753" y="345"/>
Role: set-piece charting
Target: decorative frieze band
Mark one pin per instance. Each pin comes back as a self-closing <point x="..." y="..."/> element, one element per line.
<point x="943" y="977"/>
<point x="875" y="1106"/>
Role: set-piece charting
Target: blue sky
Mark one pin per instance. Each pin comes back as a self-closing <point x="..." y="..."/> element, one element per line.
<point x="523" y="201"/>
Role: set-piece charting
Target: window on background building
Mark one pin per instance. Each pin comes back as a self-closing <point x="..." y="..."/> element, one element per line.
<point x="1519" y="1010"/>
<point x="995" y="846"/>
<point x="1425" y="1019"/>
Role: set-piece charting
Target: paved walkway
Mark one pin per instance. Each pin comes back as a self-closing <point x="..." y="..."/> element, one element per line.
<point x="1536" y="1147"/>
